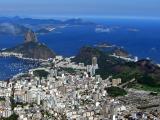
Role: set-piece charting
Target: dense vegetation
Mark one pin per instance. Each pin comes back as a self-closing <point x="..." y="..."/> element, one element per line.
<point x="41" y="73"/>
<point x="12" y="117"/>
<point x="2" y="99"/>
<point x="115" y="91"/>
<point x="138" y="86"/>
<point x="144" y="71"/>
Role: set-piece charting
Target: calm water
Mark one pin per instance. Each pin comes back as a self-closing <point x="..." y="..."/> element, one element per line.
<point x="139" y="37"/>
<point x="10" y="66"/>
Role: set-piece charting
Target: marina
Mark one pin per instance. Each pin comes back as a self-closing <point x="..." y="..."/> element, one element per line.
<point x="10" y="66"/>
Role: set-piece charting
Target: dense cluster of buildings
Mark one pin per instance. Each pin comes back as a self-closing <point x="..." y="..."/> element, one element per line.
<point x="68" y="91"/>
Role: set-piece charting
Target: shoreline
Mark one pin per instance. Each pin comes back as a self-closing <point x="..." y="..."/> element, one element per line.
<point x="129" y="59"/>
<point x="19" y="56"/>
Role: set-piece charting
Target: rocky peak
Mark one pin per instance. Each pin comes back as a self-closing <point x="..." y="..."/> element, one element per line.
<point x="31" y="48"/>
<point x="30" y="36"/>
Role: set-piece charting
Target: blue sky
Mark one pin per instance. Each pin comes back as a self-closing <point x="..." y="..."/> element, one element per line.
<point x="76" y="8"/>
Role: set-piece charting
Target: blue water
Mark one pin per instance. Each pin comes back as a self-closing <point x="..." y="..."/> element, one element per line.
<point x="144" y="42"/>
<point x="139" y="37"/>
<point x="10" y="66"/>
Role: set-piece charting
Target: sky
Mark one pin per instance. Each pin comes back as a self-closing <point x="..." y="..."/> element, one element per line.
<point x="76" y="8"/>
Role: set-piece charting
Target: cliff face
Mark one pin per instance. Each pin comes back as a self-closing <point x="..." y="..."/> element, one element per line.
<point x="30" y="36"/>
<point x="121" y="52"/>
<point x="31" y="48"/>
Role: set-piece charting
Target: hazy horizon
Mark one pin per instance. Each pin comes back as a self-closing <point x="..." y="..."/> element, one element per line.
<point x="81" y="8"/>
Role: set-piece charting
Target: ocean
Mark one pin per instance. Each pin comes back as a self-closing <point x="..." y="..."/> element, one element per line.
<point x="139" y="37"/>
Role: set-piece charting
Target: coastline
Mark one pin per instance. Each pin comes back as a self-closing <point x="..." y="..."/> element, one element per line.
<point x="20" y="57"/>
<point x="124" y="58"/>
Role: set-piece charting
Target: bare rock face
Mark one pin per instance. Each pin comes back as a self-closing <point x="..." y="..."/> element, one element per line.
<point x="31" y="48"/>
<point x="121" y="52"/>
<point x="30" y="36"/>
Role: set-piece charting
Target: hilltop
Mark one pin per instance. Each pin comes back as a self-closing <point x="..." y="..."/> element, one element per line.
<point x="31" y="48"/>
<point x="18" y="26"/>
<point x="145" y="72"/>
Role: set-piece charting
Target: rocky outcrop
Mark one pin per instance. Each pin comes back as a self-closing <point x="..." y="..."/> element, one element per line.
<point x="31" y="48"/>
<point x="120" y="52"/>
<point x="30" y="36"/>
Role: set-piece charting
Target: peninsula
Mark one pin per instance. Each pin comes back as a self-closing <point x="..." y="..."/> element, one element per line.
<point x="31" y="48"/>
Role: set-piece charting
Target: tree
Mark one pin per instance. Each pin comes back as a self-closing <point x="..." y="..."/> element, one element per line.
<point x="115" y="91"/>
<point x="41" y="73"/>
<point x="12" y="117"/>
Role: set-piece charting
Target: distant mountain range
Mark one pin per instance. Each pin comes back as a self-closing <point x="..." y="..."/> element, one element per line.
<point x="12" y="28"/>
<point x="76" y="21"/>
<point x="17" y="25"/>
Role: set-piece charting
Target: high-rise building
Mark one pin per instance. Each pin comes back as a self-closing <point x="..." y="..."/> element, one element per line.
<point x="135" y="59"/>
<point x="116" y="82"/>
<point x="38" y="99"/>
<point x="94" y="63"/>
